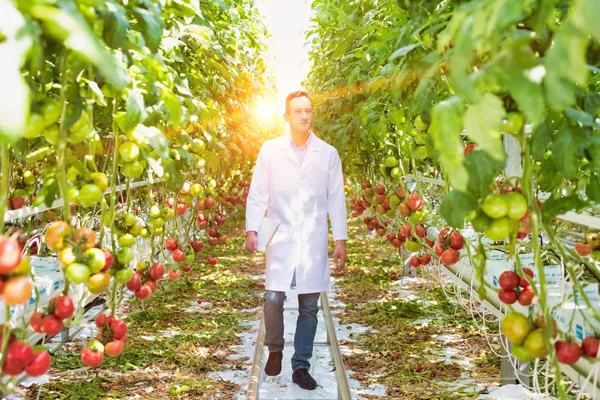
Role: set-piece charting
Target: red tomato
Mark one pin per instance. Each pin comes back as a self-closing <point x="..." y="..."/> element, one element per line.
<point x="449" y="257"/>
<point x="18" y="356"/>
<point x="40" y="364"/>
<point x="92" y="358"/>
<point x="135" y="283"/>
<point x="119" y="328"/>
<point x="51" y="325"/>
<point x="425" y="259"/>
<point x="114" y="348"/>
<point x="507" y="296"/>
<point x="10" y="254"/>
<point x="63" y="307"/>
<point x="414" y="201"/>
<point x="456" y="240"/>
<point x="157" y="270"/>
<point x="36" y="321"/>
<point x="171" y="244"/>
<point x="414" y="261"/>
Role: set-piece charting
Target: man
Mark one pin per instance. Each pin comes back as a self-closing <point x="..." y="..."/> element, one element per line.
<point x="298" y="181"/>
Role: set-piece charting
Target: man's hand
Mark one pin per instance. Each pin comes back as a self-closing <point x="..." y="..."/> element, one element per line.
<point x="339" y="255"/>
<point x="251" y="241"/>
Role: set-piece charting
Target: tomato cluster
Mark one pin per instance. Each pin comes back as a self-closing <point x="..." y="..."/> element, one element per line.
<point x="82" y="261"/>
<point x="20" y="357"/>
<point x="514" y="287"/>
<point x="15" y="284"/>
<point x="23" y="187"/>
<point x="450" y="242"/>
<point x="528" y="340"/>
<point x="502" y="214"/>
<point x="144" y="281"/>
<point x="86" y="189"/>
<point x="50" y="322"/>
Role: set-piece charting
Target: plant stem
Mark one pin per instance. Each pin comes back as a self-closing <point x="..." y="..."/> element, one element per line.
<point x="5" y="181"/>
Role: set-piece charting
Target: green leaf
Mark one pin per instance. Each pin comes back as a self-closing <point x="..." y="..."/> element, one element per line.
<point x="115" y="25"/>
<point x="565" y="150"/>
<point x="175" y="180"/>
<point x="456" y="206"/>
<point x="14" y="96"/>
<point x="483" y="170"/>
<point x="97" y="93"/>
<point x="174" y="107"/>
<point x="554" y="207"/>
<point x="482" y="122"/>
<point x="212" y="161"/>
<point x="566" y="66"/>
<point x="582" y="117"/>
<point x="151" y="23"/>
<point x="585" y="16"/>
<point x="540" y="138"/>
<point x="593" y="189"/>
<point x="402" y="51"/>
<point x="68" y="27"/>
<point x="445" y="130"/>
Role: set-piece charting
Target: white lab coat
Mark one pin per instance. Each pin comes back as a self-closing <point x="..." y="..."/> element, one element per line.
<point x="300" y="197"/>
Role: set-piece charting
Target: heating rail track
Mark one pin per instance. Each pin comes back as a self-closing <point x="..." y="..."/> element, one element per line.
<point x="256" y="372"/>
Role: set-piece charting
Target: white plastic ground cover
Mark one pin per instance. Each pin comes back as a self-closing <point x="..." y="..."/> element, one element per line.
<point x="513" y="392"/>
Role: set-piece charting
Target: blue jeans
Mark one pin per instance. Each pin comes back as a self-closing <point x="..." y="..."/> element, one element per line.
<point x="306" y="326"/>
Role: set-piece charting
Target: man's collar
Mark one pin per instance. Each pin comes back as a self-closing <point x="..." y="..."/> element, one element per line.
<point x="293" y="144"/>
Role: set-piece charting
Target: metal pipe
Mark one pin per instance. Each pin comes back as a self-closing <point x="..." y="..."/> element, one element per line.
<point x="252" y="391"/>
<point x="344" y="392"/>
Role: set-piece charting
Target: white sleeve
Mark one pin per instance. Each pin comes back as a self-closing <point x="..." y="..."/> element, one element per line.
<point x="336" y="199"/>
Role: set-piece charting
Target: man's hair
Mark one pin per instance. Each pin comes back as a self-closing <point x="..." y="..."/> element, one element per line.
<point x="295" y="95"/>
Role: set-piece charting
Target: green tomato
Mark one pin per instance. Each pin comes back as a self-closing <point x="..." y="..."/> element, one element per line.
<point x="513" y="123"/>
<point x="51" y="111"/>
<point x="199" y="145"/>
<point x="168" y="213"/>
<point x="123" y="275"/>
<point x="127" y="240"/>
<point x="499" y="229"/>
<point x="391" y="162"/>
<point x="95" y="259"/>
<point x="396" y="172"/>
<point x="73" y="194"/>
<point x="421" y="138"/>
<point x="418" y="217"/>
<point x="517" y="205"/>
<point x="412" y="246"/>
<point x="136" y="229"/>
<point x="72" y="175"/>
<point x="155" y="211"/>
<point x="129" y="151"/>
<point x="521" y="353"/>
<point x="35" y="126"/>
<point x="196" y="190"/>
<point x="89" y="195"/>
<point x="125" y="255"/>
<point x="28" y="178"/>
<point x="421" y="153"/>
<point x="419" y="124"/>
<point x="141" y="266"/>
<point x="132" y="169"/>
<point x="495" y="205"/>
<point x="175" y="390"/>
<point x="144" y="233"/>
<point x="51" y="134"/>
<point x="77" y="273"/>
<point x="157" y="223"/>
<point x="100" y="179"/>
<point x="129" y="219"/>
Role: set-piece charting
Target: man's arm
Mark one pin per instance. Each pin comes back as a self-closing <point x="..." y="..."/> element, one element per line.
<point x="336" y="208"/>
<point x="258" y="200"/>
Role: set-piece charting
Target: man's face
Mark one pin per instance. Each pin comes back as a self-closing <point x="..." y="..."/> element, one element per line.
<point x="300" y="116"/>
